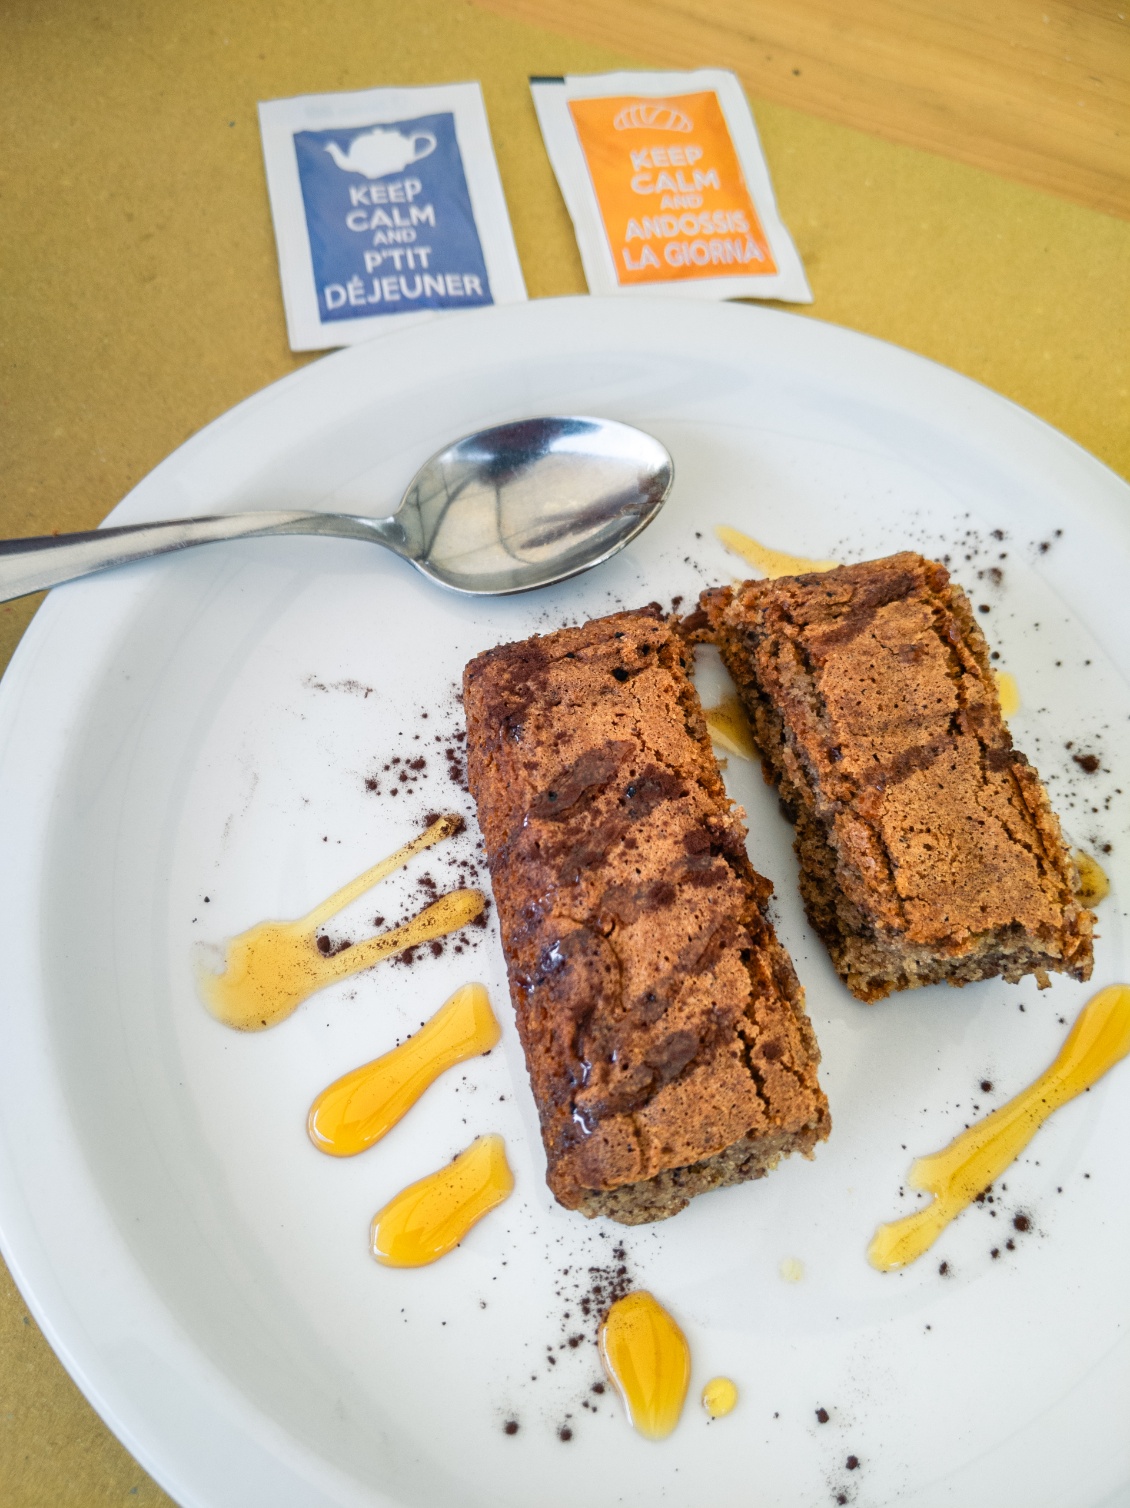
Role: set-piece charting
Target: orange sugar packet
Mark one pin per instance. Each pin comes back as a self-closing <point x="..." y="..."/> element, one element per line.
<point x="667" y="186"/>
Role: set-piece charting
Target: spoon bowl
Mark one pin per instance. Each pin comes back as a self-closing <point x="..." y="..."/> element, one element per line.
<point x="506" y="509"/>
<point x="527" y="504"/>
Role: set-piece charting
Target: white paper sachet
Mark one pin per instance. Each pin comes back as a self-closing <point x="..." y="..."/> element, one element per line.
<point x="668" y="188"/>
<point x="387" y="207"/>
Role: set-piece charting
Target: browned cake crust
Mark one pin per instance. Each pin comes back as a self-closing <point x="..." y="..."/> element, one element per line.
<point x="663" y="1025"/>
<point x="927" y="845"/>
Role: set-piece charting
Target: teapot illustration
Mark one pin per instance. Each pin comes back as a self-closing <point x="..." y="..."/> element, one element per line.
<point x="381" y="151"/>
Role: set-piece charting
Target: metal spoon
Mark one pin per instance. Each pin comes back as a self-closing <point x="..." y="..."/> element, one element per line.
<point x="504" y="510"/>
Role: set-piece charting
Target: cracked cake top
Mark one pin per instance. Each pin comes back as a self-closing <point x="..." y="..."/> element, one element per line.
<point x="882" y="678"/>
<point x="661" y="1019"/>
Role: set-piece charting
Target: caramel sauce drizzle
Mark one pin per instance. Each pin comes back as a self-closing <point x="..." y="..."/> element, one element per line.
<point x="429" y="1218"/>
<point x="977" y="1158"/>
<point x="359" y="1108"/>
<point x="729" y="728"/>
<point x="272" y="967"/>
<point x="648" y="1362"/>
<point x="771" y="563"/>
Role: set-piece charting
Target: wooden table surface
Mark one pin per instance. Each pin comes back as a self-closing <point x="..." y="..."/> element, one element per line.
<point x="956" y="176"/>
<point x="1039" y="92"/>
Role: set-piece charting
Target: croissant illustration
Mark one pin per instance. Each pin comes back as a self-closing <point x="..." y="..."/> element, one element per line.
<point x="652" y="115"/>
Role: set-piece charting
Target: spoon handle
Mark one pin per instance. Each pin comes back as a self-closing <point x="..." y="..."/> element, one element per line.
<point x="30" y="565"/>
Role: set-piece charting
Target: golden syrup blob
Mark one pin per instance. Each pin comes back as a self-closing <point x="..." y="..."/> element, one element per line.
<point x="427" y="1219"/>
<point x="648" y="1362"/>
<point x="272" y="967"/>
<point x="977" y="1158"/>
<point x="719" y="1397"/>
<point x="729" y="728"/>
<point x="1094" y="886"/>
<point x="771" y="563"/>
<point x="359" y="1108"/>
<point x="1008" y="692"/>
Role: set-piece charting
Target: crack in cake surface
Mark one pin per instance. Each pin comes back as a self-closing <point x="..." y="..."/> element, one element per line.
<point x="927" y="844"/>
<point x="640" y="959"/>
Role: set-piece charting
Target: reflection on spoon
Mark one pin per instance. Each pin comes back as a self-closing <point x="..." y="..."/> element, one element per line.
<point x="429" y="1218"/>
<point x="363" y="1105"/>
<point x="771" y="563"/>
<point x="977" y="1158"/>
<point x="272" y="967"/>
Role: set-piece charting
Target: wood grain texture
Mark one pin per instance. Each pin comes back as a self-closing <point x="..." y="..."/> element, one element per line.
<point x="1037" y="90"/>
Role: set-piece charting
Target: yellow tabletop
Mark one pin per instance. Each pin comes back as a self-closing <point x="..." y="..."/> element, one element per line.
<point x="956" y="177"/>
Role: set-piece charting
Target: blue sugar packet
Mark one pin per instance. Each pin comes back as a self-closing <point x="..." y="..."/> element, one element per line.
<point x="389" y="219"/>
<point x="387" y="207"/>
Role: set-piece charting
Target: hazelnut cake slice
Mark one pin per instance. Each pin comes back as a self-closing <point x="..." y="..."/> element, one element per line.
<point x="663" y="1025"/>
<point x="928" y="849"/>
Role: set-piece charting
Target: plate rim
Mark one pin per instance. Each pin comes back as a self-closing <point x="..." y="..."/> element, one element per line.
<point x="22" y="1244"/>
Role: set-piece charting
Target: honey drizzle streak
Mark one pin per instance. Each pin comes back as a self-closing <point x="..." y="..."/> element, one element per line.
<point x="771" y="563"/>
<point x="719" y="1397"/>
<point x="648" y="1362"/>
<point x="976" y="1158"/>
<point x="729" y="728"/>
<point x="359" y="1108"/>
<point x="1008" y="693"/>
<point x="272" y="967"/>
<point x="429" y="1218"/>
<point x="1094" y="883"/>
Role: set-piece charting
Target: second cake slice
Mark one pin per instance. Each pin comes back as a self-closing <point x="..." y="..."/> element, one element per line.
<point x="927" y="846"/>
<point x="663" y="1025"/>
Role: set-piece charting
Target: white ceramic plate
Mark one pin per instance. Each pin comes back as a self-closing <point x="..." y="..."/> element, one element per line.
<point x="203" y="727"/>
